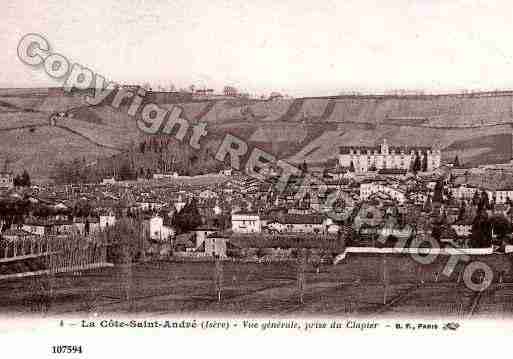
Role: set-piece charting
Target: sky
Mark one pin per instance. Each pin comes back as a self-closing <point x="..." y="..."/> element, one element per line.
<point x="300" y="48"/>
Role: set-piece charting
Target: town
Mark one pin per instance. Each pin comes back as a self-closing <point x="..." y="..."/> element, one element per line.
<point x="386" y="191"/>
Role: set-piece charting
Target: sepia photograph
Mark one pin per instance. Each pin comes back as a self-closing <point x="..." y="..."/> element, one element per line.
<point x="258" y="167"/>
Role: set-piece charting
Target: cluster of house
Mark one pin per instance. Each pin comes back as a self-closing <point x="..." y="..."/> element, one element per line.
<point x="86" y="210"/>
<point x="466" y="192"/>
<point x="242" y="205"/>
<point x="58" y="225"/>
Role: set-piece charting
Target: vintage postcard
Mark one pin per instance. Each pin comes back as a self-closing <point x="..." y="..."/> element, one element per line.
<point x="175" y="173"/>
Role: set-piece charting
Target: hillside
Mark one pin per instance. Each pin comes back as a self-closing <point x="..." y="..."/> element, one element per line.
<point x="475" y="127"/>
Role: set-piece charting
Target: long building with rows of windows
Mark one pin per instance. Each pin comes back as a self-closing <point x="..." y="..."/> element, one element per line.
<point x="365" y="158"/>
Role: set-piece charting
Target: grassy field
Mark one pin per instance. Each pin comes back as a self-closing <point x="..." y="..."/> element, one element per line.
<point x="355" y="287"/>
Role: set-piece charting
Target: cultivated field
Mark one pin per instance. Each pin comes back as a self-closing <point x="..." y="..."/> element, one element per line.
<point x="355" y="287"/>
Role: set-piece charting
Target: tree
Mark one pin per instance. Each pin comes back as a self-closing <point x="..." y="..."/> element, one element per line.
<point x="484" y="202"/>
<point x="12" y="211"/>
<point x="25" y="179"/>
<point x="456" y="162"/>
<point x="427" y="205"/>
<point x="416" y="164"/>
<point x="476" y="198"/>
<point x="412" y="163"/>
<point x="436" y="231"/>
<point x="462" y="210"/>
<point x="501" y="227"/>
<point x="438" y="192"/>
<point x="303" y="168"/>
<point x="17" y="181"/>
<point x="22" y="180"/>
<point x="188" y="218"/>
<point x="493" y="201"/>
<point x="125" y="172"/>
<point x="448" y="195"/>
<point x="481" y="231"/>
<point x="424" y="164"/>
<point x="351" y="167"/>
<point x="82" y="209"/>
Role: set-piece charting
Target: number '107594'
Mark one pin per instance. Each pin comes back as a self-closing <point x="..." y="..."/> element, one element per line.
<point x="66" y="349"/>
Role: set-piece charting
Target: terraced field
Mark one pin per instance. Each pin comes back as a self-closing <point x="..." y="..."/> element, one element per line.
<point x="476" y="128"/>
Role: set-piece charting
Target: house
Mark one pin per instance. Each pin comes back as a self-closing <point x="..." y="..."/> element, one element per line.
<point x="111" y="180"/>
<point x="202" y="233"/>
<point x="45" y="228"/>
<point x="206" y="194"/>
<point x="184" y="243"/>
<point x="86" y="226"/>
<point x="6" y="180"/>
<point x="150" y="204"/>
<point x="246" y="222"/>
<point x="217" y="209"/>
<point x="159" y="231"/>
<point x="230" y="91"/>
<point x="463" y="192"/>
<point x="399" y="233"/>
<point x="467" y="191"/>
<point x="62" y="227"/>
<point x="204" y="92"/>
<point x="448" y="235"/>
<point x="179" y="205"/>
<point x="274" y="96"/>
<point x="503" y="194"/>
<point x="165" y="175"/>
<point x="369" y="188"/>
<point x="309" y="223"/>
<point x="418" y="198"/>
<point x="463" y="228"/>
<point x="226" y="172"/>
<point x="107" y="220"/>
<point x="214" y="245"/>
<point x="39" y="228"/>
<point x="334" y="228"/>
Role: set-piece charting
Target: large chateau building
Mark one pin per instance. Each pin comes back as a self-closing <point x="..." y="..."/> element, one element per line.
<point x="366" y="158"/>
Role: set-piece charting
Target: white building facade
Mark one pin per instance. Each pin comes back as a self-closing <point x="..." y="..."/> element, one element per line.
<point x="387" y="157"/>
<point x="107" y="221"/>
<point x="159" y="231"/>
<point x="246" y="223"/>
